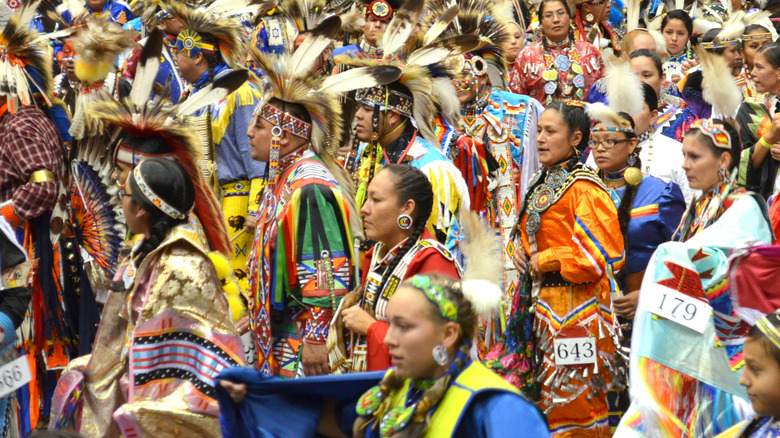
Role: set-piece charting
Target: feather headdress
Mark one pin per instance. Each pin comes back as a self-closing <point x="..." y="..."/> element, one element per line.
<point x="25" y="59"/>
<point x="624" y="89"/>
<point x="306" y="14"/>
<point x="97" y="45"/>
<point x="226" y="31"/>
<point x="718" y="86"/>
<point x="604" y="114"/>
<point x="141" y="117"/>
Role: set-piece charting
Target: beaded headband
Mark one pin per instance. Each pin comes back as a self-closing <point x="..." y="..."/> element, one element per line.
<point x="716" y="132"/>
<point x="130" y="156"/>
<point x="436" y="295"/>
<point x="154" y="199"/>
<point x="386" y="99"/>
<point x="769" y="329"/>
<point x="611" y="129"/>
<point x="719" y="45"/>
<point x="380" y="10"/>
<point x="191" y="43"/>
<point x="572" y="102"/>
<point x="286" y="121"/>
<point x="757" y="36"/>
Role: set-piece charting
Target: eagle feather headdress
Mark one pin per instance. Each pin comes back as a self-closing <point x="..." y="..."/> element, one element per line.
<point x="141" y="116"/>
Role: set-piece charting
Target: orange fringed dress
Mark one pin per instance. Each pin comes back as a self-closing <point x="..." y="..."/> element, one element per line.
<point x="580" y="247"/>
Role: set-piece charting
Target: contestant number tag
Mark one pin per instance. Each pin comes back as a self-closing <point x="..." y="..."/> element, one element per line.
<point x="575" y="351"/>
<point x="678" y="307"/>
<point x="14" y="375"/>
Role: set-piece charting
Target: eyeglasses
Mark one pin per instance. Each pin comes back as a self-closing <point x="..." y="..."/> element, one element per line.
<point x="607" y="144"/>
<point x="560" y="13"/>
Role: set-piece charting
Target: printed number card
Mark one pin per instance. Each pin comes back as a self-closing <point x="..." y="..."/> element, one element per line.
<point x="14" y="375"/>
<point x="678" y="307"/>
<point x="575" y="351"/>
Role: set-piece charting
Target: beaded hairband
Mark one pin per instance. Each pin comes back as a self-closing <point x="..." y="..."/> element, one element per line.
<point x="611" y="129"/>
<point x="286" y="121"/>
<point x="435" y="294"/>
<point x="720" y="45"/>
<point x="191" y="43"/>
<point x="756" y="36"/>
<point x="380" y="10"/>
<point x="572" y="102"/>
<point x="154" y="199"/>
<point x="769" y="329"/>
<point x="716" y="132"/>
<point x="386" y="99"/>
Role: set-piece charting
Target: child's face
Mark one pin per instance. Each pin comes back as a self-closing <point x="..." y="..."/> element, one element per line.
<point x="761" y="378"/>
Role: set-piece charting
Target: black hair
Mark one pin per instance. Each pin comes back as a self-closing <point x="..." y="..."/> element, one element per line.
<point x="755" y="334"/>
<point x="213" y="59"/>
<point x="651" y="99"/>
<point x="576" y="119"/>
<point x="544" y="2"/>
<point x="679" y="14"/>
<point x="771" y="52"/>
<point x="757" y="28"/>
<point x="647" y="53"/>
<point x="147" y="145"/>
<point x="169" y="181"/>
<point x="709" y="37"/>
<point x="736" y="145"/>
<point x="410" y="183"/>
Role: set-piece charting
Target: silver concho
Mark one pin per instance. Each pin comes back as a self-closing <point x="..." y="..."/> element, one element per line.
<point x="556" y="178"/>
<point x="533" y="222"/>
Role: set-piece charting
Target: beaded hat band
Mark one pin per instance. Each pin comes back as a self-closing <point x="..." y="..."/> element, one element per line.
<point x="129" y="156"/>
<point x="287" y="122"/>
<point x="386" y="99"/>
<point x="716" y="132"/>
<point x="154" y="199"/>
<point x="757" y="36"/>
<point x="611" y="129"/>
<point x="719" y="45"/>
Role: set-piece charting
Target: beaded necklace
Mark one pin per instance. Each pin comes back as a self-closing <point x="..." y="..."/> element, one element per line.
<point x="614" y="180"/>
<point x="562" y="71"/>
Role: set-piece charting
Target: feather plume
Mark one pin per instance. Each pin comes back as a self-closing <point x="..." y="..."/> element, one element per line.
<point x="482" y="275"/>
<point x="306" y="14"/>
<point x="633" y="10"/>
<point x="312" y="47"/>
<point x="352" y="22"/>
<point x="401" y="26"/>
<point x="624" y="89"/>
<point x="97" y="44"/>
<point x="214" y="92"/>
<point x="718" y="87"/>
<point x="441" y="24"/>
<point x="604" y="114"/>
<point x="148" y="65"/>
<point x="361" y="77"/>
<point x="660" y="42"/>
<point x="446" y="97"/>
<point x="440" y="50"/>
<point x="733" y="28"/>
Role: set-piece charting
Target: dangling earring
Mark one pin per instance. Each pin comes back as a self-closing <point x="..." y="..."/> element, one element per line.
<point x="632" y="175"/>
<point x="440" y="355"/>
<point x="404" y="221"/>
<point x="273" y="161"/>
<point x="724" y="175"/>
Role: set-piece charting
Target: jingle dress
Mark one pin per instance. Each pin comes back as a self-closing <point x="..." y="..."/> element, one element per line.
<point x="369" y="353"/>
<point x="301" y="262"/>
<point x="159" y="348"/>
<point x="547" y="71"/>
<point x="669" y="386"/>
<point x="571" y="221"/>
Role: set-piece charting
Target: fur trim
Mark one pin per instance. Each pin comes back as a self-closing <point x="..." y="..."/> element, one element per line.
<point x="238" y="309"/>
<point x="718" y="87"/>
<point x="624" y="89"/>
<point x="482" y="275"/>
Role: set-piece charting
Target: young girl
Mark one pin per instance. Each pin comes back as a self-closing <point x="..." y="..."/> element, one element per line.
<point x="761" y="378"/>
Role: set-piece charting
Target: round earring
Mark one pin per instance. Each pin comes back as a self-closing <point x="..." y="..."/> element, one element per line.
<point x="404" y="221"/>
<point x="632" y="175"/>
<point x="440" y="355"/>
<point x="589" y="18"/>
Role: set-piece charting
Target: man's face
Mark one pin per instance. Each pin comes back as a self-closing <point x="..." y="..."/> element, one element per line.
<point x="363" y="129"/>
<point x="188" y="67"/>
<point x="373" y="30"/>
<point x="259" y="134"/>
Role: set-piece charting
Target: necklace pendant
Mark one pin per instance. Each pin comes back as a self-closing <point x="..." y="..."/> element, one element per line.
<point x="562" y="62"/>
<point x="579" y="81"/>
<point x="550" y="75"/>
<point x="589" y="18"/>
<point x="576" y="68"/>
<point x="550" y="87"/>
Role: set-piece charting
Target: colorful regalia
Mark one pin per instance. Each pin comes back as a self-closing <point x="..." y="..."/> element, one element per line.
<point x="673" y="121"/>
<point x="222" y="127"/>
<point x="116" y="11"/>
<point x="662" y="158"/>
<point x="548" y="71"/>
<point x="754" y="118"/>
<point x="368" y="353"/>
<point x="173" y="312"/>
<point x="571" y="221"/>
<point x="607" y="34"/>
<point x="302" y="259"/>
<point x="760" y="427"/>
<point x="688" y="390"/>
<point x="378" y="10"/>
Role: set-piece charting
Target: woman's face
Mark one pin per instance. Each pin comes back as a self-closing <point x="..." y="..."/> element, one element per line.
<point x="515" y="43"/>
<point x="611" y="149"/>
<point x="765" y="77"/>
<point x="132" y="211"/>
<point x="554" y="141"/>
<point x="414" y="330"/>
<point x="761" y="378"/>
<point x="700" y="164"/>
<point x="555" y="21"/>
<point x="676" y="36"/>
<point x="644" y="67"/>
<point x="749" y="49"/>
<point x="382" y="208"/>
